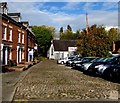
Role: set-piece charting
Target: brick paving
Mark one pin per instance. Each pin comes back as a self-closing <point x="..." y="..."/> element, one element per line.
<point x="49" y="81"/>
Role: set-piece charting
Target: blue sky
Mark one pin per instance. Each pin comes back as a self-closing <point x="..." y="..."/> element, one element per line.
<point x="60" y="14"/>
<point x="78" y="7"/>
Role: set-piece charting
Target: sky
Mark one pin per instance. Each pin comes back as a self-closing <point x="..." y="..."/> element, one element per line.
<point x="60" y="14"/>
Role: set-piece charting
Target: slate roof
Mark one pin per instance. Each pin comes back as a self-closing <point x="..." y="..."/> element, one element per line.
<point x="11" y="20"/>
<point x="62" y="45"/>
<point x="14" y="14"/>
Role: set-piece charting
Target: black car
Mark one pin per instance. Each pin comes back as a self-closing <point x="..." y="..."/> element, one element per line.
<point x="112" y="71"/>
<point x="86" y="65"/>
<point x="99" y="66"/>
<point x="79" y="65"/>
<point x="69" y="62"/>
<point x="116" y="73"/>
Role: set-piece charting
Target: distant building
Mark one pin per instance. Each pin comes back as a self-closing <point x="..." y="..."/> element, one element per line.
<point x="62" y="48"/>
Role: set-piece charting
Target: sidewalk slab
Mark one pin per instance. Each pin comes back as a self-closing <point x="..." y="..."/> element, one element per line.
<point x="11" y="79"/>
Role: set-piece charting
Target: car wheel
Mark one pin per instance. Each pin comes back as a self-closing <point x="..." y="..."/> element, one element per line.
<point x="107" y="74"/>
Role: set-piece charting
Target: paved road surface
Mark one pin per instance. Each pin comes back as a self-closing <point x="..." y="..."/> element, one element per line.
<point x="50" y="81"/>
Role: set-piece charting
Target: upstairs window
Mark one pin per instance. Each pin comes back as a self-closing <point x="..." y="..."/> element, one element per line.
<point x="10" y="35"/>
<point x="18" y="37"/>
<point x="4" y="33"/>
<point x="22" y="38"/>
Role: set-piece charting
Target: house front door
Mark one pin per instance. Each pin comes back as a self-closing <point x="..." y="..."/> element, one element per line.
<point x="3" y="59"/>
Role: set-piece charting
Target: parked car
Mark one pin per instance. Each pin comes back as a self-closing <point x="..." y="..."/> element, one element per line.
<point x="64" y="60"/>
<point x="112" y="72"/>
<point x="99" y="67"/>
<point x="86" y="65"/>
<point x="79" y="65"/>
<point x="109" y="70"/>
<point x="115" y="70"/>
<point x="70" y="62"/>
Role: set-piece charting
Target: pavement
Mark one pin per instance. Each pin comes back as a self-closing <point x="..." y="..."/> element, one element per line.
<point x="10" y="79"/>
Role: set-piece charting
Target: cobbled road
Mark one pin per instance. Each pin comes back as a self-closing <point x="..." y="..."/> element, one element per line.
<point x="48" y="80"/>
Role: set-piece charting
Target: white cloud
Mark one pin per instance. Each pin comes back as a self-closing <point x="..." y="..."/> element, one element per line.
<point x="109" y="27"/>
<point x="32" y="12"/>
<point x="104" y="17"/>
<point x="71" y="6"/>
<point x="109" y="5"/>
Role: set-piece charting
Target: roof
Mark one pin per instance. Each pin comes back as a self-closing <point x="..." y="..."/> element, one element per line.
<point x="25" y="23"/>
<point x="4" y="16"/>
<point x="62" y="45"/>
<point x="14" y="14"/>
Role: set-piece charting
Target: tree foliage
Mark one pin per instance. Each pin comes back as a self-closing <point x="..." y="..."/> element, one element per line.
<point x="61" y="30"/>
<point x="68" y="34"/>
<point x="69" y="28"/>
<point x="114" y="34"/>
<point x="96" y="43"/>
<point x="44" y="35"/>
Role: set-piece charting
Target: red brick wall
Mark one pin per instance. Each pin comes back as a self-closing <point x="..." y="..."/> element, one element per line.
<point x="14" y="42"/>
<point x="31" y="41"/>
<point x="0" y="38"/>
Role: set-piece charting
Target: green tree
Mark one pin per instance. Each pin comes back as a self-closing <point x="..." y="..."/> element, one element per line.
<point x="61" y="30"/>
<point x="69" y="28"/>
<point x="68" y="34"/>
<point x="96" y="43"/>
<point x="114" y="34"/>
<point x="44" y="35"/>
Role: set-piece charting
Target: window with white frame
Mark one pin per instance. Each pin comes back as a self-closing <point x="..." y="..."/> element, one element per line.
<point x="23" y="38"/>
<point x="10" y="35"/>
<point x="19" y="37"/>
<point x="4" y="33"/>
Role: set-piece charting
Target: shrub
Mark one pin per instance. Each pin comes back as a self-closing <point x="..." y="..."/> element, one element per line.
<point x="10" y="63"/>
<point x="14" y="63"/>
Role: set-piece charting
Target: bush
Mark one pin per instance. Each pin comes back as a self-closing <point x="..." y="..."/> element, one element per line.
<point x="14" y="63"/>
<point x="10" y="63"/>
<point x="41" y="58"/>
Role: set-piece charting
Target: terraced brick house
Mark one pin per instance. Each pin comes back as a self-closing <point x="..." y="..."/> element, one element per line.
<point x="14" y="37"/>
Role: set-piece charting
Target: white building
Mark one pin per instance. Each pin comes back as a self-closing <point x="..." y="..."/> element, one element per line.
<point x="62" y="48"/>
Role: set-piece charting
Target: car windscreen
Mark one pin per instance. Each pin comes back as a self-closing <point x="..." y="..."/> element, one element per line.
<point x="95" y="60"/>
<point x="87" y="59"/>
<point x="99" y="60"/>
<point x="109" y="59"/>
